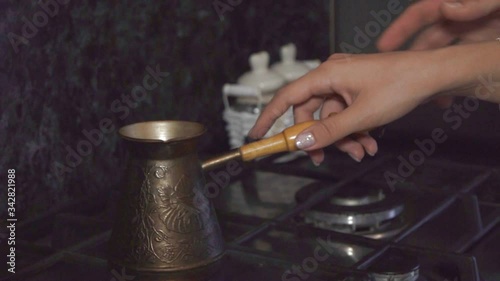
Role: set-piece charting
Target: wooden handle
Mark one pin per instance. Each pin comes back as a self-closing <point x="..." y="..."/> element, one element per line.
<point x="284" y="141"/>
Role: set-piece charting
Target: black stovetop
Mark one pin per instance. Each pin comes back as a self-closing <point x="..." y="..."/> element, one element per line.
<point x="451" y="231"/>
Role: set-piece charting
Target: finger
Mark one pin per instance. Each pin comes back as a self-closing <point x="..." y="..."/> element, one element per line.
<point x="436" y="36"/>
<point x="332" y="105"/>
<point x="368" y="142"/>
<point x="305" y="111"/>
<point x="316" y="82"/>
<point x="468" y="10"/>
<point x="410" y="22"/>
<point x="355" y="145"/>
<point x="443" y="102"/>
<point x="351" y="147"/>
<point x="336" y="104"/>
<point x="340" y="56"/>
<point x="317" y="156"/>
<point x="329" y="130"/>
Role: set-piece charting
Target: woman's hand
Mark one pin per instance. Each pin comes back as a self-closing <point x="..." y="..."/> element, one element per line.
<point x="366" y="91"/>
<point x="443" y="22"/>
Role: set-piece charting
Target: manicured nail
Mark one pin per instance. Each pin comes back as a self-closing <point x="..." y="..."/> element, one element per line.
<point x="254" y="134"/>
<point x="370" y="153"/>
<point x="251" y="133"/>
<point x="454" y="4"/>
<point x="304" y="140"/>
<point x="355" y="158"/>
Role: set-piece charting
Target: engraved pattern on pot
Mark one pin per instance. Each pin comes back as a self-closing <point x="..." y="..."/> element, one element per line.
<point x="177" y="210"/>
<point x="142" y="202"/>
<point x="162" y="212"/>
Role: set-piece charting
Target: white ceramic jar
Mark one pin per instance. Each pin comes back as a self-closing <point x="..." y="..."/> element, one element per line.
<point x="289" y="68"/>
<point x="261" y="77"/>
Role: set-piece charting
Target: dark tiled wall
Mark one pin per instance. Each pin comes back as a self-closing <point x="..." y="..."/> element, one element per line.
<point x="65" y="68"/>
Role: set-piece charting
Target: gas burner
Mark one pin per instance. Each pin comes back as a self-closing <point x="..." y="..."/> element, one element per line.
<point x="395" y="265"/>
<point x="360" y="208"/>
<point x="411" y="276"/>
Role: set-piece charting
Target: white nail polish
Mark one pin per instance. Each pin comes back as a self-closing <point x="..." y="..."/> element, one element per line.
<point x="304" y="140"/>
<point x="454" y="4"/>
<point x="354" y="157"/>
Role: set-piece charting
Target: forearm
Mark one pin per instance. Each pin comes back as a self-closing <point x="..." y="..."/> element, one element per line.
<point x="469" y="70"/>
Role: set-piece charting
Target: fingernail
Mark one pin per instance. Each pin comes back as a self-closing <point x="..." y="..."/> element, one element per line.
<point x="251" y="133"/>
<point x="355" y="158"/>
<point x="454" y="4"/>
<point x="305" y="140"/>
<point x="370" y="153"/>
<point x="316" y="163"/>
<point x="254" y="134"/>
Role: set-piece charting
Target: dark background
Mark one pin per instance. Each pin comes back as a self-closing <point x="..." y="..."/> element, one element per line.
<point x="92" y="52"/>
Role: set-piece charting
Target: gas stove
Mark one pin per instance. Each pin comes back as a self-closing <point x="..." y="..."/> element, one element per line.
<point x="362" y="209"/>
<point x="294" y="221"/>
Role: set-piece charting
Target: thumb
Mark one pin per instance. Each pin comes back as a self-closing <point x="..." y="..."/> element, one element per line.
<point x="327" y="131"/>
<point x="464" y="10"/>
